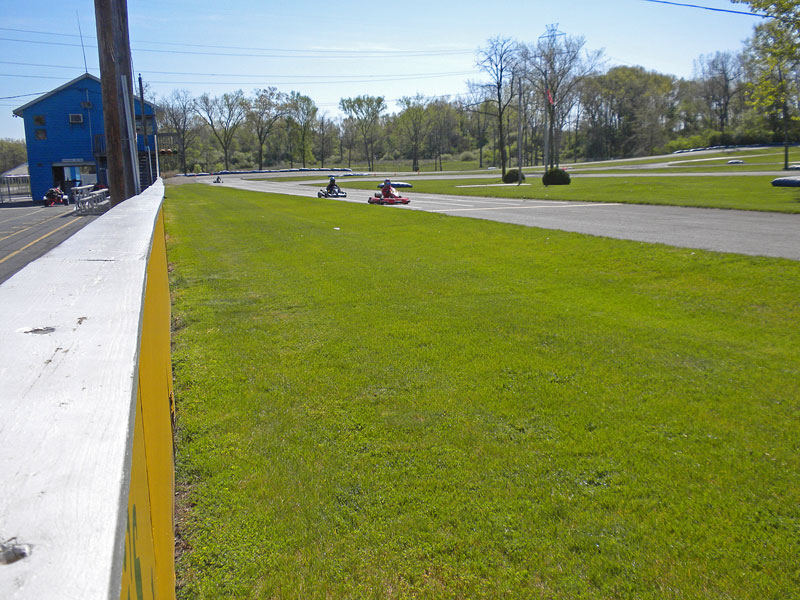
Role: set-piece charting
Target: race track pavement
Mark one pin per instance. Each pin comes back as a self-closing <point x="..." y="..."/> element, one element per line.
<point x="743" y="232"/>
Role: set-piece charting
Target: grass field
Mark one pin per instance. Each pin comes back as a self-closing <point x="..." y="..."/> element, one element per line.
<point x="737" y="192"/>
<point x="377" y="403"/>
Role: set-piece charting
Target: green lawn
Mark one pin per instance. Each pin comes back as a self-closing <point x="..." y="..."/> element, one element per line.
<point x="738" y="192"/>
<point x="378" y="403"/>
<point x="769" y="155"/>
<point x="748" y="168"/>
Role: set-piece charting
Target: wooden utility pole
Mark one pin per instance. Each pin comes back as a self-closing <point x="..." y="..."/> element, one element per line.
<point x="114" y="51"/>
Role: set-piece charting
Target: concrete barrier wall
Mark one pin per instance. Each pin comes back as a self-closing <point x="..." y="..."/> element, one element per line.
<point x="86" y="460"/>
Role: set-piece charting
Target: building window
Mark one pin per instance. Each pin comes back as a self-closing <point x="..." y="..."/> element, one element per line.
<point x="41" y="134"/>
<point x="39" y="120"/>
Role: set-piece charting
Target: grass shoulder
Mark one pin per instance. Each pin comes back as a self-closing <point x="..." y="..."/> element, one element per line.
<point x="399" y="404"/>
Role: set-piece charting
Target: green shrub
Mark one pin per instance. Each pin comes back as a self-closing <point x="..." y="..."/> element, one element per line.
<point x="556" y="176"/>
<point x="467" y="156"/>
<point x="513" y="176"/>
<point x="197" y="168"/>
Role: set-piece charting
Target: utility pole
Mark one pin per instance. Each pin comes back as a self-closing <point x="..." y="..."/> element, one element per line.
<point x="111" y="17"/>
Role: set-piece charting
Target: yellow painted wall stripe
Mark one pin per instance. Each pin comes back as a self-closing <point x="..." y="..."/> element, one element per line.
<point x="149" y="569"/>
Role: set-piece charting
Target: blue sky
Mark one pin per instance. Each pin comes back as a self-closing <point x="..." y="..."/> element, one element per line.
<point x="331" y="50"/>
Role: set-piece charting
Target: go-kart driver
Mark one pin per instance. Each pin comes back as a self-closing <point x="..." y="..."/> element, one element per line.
<point x="332" y="187"/>
<point x="387" y="190"/>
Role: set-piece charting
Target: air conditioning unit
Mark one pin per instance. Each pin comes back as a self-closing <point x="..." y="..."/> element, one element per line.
<point x="75" y="118"/>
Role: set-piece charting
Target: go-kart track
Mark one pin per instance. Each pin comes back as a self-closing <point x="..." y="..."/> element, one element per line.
<point x="743" y="232"/>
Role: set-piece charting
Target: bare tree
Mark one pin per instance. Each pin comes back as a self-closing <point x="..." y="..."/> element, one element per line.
<point x="443" y="119"/>
<point x="499" y="61"/>
<point x="291" y="138"/>
<point x="555" y="65"/>
<point x="414" y="122"/>
<point x="224" y="115"/>
<point x="179" y="113"/>
<point x="366" y="112"/>
<point x="721" y="78"/>
<point x="304" y="113"/>
<point x="348" y="139"/>
<point x="327" y="133"/>
<point x="267" y="107"/>
<point x="478" y="105"/>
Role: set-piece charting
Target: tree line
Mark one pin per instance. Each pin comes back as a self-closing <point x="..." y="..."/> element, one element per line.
<point x="542" y="103"/>
<point x="12" y="154"/>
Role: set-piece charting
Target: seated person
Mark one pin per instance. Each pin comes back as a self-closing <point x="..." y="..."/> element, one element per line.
<point x="332" y="187"/>
<point x="387" y="190"/>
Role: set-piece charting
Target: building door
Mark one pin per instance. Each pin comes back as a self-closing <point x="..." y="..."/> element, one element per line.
<point x="58" y="178"/>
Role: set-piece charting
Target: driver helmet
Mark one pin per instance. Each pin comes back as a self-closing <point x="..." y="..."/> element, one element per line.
<point x="333" y="179"/>
<point x="386" y="181"/>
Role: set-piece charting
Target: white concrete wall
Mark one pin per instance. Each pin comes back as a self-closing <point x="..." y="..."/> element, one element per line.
<point x="70" y="327"/>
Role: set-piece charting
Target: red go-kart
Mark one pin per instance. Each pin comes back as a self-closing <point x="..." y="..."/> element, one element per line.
<point x="388" y="195"/>
<point x="55" y="196"/>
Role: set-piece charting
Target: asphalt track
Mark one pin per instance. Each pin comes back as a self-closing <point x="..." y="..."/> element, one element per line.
<point x="28" y="230"/>
<point x="743" y="232"/>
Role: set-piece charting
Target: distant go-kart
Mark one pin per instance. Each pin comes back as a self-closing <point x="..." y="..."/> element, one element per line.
<point x="55" y="196"/>
<point x="389" y="196"/>
<point x="337" y="192"/>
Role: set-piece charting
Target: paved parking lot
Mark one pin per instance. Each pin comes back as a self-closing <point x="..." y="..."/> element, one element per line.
<point x="28" y="230"/>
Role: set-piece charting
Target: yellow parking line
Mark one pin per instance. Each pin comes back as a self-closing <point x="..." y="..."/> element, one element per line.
<point x="31" y="227"/>
<point x="22" y="216"/>
<point x="5" y="258"/>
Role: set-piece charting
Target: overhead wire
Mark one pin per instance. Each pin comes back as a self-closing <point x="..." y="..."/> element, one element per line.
<point x="345" y="78"/>
<point x="292" y="52"/>
<point x="711" y="8"/>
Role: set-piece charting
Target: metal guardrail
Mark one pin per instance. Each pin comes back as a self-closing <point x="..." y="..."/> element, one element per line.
<point x="15" y="187"/>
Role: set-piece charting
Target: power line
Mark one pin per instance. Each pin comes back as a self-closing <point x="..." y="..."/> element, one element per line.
<point x="722" y="10"/>
<point x="262" y="76"/>
<point x="281" y="82"/>
<point x="24" y="64"/>
<point x="313" y="53"/>
<point x="281" y="79"/>
<point x="31" y="76"/>
<point x="276" y="80"/>
<point x="21" y="96"/>
<point x="53" y="33"/>
<point x="342" y="54"/>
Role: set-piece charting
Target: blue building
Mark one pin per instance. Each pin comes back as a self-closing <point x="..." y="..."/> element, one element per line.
<point x="65" y="137"/>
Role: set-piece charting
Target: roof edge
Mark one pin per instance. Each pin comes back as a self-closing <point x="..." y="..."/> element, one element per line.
<point x="18" y="111"/>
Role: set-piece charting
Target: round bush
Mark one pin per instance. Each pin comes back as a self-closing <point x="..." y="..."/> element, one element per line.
<point x="513" y="176"/>
<point x="556" y="176"/>
<point x="467" y="156"/>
